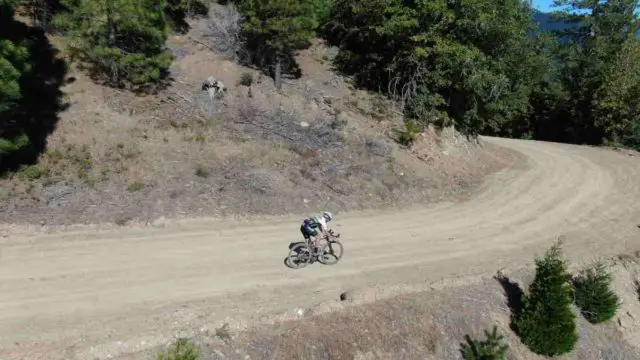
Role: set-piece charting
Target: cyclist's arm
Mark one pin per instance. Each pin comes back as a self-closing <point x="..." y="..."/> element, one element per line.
<point x="325" y="228"/>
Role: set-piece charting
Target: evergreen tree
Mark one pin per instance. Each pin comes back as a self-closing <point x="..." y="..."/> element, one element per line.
<point x="121" y="40"/>
<point x="30" y="96"/>
<point x="275" y="28"/>
<point x="547" y="324"/>
<point x="182" y="349"/>
<point x="321" y="11"/>
<point x="467" y="63"/>
<point x="13" y="59"/>
<point x="490" y="349"/>
<point x="14" y="62"/>
<point x="594" y="42"/>
<point x="594" y="297"/>
<point x="617" y="102"/>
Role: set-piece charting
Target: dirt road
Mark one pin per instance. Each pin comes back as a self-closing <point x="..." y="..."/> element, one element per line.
<point x="87" y="294"/>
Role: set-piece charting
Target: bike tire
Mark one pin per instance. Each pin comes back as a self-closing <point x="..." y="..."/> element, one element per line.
<point x="329" y="255"/>
<point x="295" y="260"/>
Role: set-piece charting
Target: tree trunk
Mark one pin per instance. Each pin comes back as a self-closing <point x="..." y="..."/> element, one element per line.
<point x="278" y="72"/>
<point x="40" y="13"/>
<point x="115" y="78"/>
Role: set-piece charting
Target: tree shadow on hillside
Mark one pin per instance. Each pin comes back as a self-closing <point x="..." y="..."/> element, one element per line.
<point x="37" y="113"/>
<point x="178" y="14"/>
<point x="259" y="56"/>
<point x="515" y="297"/>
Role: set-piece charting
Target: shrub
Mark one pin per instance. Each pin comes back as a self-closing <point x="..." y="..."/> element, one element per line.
<point x="8" y="146"/>
<point x="135" y="186"/>
<point x="339" y="122"/>
<point x="593" y="294"/>
<point x="202" y="172"/>
<point x="490" y="349"/>
<point x="246" y="79"/>
<point x="122" y="220"/>
<point x="223" y="332"/>
<point x="31" y="173"/>
<point x="182" y="349"/>
<point x="410" y="133"/>
<point x="547" y="324"/>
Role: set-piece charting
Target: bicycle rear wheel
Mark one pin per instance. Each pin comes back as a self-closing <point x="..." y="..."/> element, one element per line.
<point x="331" y="253"/>
<point x="299" y="256"/>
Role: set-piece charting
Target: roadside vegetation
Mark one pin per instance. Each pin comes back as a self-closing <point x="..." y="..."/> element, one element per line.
<point x="558" y="314"/>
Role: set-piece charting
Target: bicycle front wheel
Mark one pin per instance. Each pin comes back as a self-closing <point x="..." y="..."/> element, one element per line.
<point x="331" y="253"/>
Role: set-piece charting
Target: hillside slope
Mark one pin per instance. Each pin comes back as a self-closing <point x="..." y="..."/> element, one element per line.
<point x="120" y="158"/>
<point x="86" y="294"/>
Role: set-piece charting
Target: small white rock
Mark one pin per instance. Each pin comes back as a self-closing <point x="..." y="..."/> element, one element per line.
<point x="304" y="124"/>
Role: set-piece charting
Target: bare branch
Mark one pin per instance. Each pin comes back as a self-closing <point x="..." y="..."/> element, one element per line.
<point x="224" y="31"/>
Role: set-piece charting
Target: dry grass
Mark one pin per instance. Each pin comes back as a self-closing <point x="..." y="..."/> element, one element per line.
<point x="424" y="325"/>
<point x="119" y="156"/>
<point x="400" y="327"/>
<point x="426" y="322"/>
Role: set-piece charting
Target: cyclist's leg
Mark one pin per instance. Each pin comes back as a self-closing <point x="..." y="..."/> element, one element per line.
<point x="307" y="233"/>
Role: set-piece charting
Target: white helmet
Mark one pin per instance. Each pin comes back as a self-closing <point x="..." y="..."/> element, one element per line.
<point x="327" y="215"/>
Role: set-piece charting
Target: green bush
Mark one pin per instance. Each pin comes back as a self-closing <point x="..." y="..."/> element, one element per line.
<point x="202" y="171"/>
<point x="547" y="324"/>
<point x="490" y="349"/>
<point x="410" y="133"/>
<point x="135" y="186"/>
<point x="593" y="294"/>
<point x="31" y="173"/>
<point x="246" y="79"/>
<point x="182" y="349"/>
<point x="14" y="144"/>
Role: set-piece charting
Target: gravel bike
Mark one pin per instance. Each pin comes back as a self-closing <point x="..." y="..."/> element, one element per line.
<point x="328" y="252"/>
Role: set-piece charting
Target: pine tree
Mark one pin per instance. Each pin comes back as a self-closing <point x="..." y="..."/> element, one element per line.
<point x="594" y="297"/>
<point x="617" y="102"/>
<point x="120" y="40"/>
<point x="594" y="42"/>
<point x="275" y="28"/>
<point x="14" y="62"/>
<point x="463" y="62"/>
<point x="182" y="349"/>
<point x="547" y="324"/>
<point x="490" y="349"/>
<point x="13" y="59"/>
